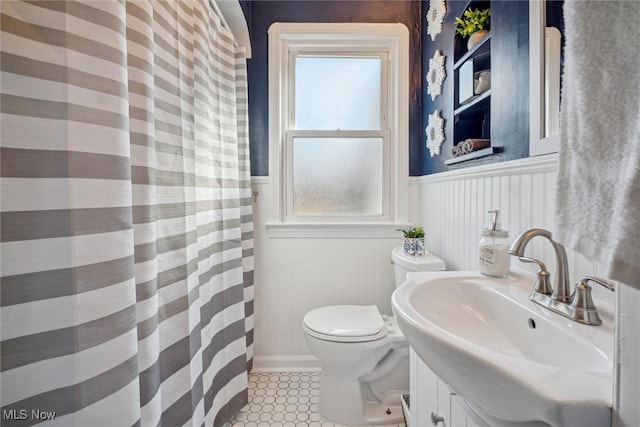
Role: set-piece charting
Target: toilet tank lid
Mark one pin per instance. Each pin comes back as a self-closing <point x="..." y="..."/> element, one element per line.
<point x="426" y="262"/>
<point x="345" y="320"/>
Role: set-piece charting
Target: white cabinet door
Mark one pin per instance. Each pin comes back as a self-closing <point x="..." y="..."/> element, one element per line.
<point x="414" y="394"/>
<point x="444" y="404"/>
<point x="458" y="416"/>
<point x="430" y="395"/>
<point x="424" y="392"/>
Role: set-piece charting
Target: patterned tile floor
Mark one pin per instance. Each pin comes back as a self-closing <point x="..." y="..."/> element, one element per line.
<point x="283" y="399"/>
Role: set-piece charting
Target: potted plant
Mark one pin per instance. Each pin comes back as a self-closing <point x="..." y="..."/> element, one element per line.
<point x="474" y="24"/>
<point x="413" y="240"/>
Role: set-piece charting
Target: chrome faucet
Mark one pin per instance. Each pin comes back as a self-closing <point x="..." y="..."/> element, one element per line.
<point x="576" y="306"/>
<point x="561" y="289"/>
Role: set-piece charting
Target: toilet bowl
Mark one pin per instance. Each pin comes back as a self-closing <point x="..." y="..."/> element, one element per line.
<point x="364" y="355"/>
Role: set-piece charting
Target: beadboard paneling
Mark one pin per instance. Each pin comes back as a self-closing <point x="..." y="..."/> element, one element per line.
<point x="454" y="208"/>
<point x="295" y="275"/>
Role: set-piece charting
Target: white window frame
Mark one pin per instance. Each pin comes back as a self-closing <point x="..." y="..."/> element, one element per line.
<point x="288" y="40"/>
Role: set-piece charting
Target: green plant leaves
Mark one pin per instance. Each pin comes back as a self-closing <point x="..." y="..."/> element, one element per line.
<point x="473" y="20"/>
<point x="412" y="232"/>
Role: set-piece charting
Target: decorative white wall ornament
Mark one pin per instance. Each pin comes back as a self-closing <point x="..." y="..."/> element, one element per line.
<point x="436" y="75"/>
<point x="435" y="16"/>
<point x="435" y="133"/>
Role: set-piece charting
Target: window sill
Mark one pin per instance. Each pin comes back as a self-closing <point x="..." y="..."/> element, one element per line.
<point x="294" y="230"/>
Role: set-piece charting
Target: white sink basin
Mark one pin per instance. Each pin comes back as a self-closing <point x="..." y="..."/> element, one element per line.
<point x="511" y="360"/>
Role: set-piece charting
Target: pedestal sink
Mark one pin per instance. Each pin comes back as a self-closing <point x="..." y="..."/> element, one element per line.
<point x="512" y="361"/>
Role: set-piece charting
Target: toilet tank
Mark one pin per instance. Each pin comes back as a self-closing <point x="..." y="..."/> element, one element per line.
<point x="403" y="263"/>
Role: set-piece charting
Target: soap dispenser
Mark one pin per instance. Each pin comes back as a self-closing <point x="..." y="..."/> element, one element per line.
<point x="495" y="260"/>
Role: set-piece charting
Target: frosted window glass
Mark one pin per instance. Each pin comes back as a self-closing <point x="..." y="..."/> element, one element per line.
<point x="337" y="176"/>
<point x="337" y="93"/>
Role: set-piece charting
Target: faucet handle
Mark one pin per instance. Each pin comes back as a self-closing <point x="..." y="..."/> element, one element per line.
<point x="542" y="285"/>
<point x="582" y="302"/>
<point x="611" y="286"/>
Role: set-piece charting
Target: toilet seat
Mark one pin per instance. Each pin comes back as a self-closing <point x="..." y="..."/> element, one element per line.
<point x="345" y="323"/>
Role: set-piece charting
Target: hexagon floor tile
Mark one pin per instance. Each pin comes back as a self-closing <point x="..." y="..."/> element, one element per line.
<point x="285" y="399"/>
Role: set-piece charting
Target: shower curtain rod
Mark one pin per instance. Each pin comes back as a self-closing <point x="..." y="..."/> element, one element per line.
<point x="215" y="7"/>
<point x="233" y="19"/>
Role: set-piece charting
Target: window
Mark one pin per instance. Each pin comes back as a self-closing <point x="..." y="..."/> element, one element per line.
<point x="337" y="134"/>
<point x="338" y="126"/>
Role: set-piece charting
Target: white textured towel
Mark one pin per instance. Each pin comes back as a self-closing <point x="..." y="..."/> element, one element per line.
<point x="598" y="191"/>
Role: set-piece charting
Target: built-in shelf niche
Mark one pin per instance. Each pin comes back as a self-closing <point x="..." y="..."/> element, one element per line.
<point x="472" y="113"/>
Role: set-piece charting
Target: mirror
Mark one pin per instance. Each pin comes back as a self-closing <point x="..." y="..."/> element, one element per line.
<point x="545" y="65"/>
<point x="435" y="133"/>
<point x="436" y="75"/>
<point x="435" y="16"/>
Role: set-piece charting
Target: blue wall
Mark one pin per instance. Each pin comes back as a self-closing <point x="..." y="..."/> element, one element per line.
<point x="509" y="82"/>
<point x="509" y="67"/>
<point x="260" y="16"/>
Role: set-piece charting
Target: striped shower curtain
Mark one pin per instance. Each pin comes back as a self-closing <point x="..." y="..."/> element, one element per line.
<point x="126" y="290"/>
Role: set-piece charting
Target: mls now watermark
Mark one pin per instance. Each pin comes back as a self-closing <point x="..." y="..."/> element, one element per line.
<point x="27" y="414"/>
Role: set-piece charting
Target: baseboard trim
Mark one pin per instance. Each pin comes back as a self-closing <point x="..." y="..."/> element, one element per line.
<point x="285" y="364"/>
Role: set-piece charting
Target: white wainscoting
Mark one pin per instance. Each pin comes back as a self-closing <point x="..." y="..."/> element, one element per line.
<point x="454" y="209"/>
<point x="294" y="275"/>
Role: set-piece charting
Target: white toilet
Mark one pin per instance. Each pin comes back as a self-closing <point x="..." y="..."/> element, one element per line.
<point x="364" y="355"/>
